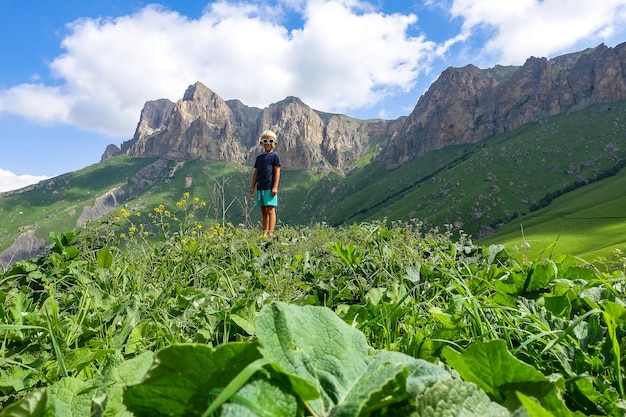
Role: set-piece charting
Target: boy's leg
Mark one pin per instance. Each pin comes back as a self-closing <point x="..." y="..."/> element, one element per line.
<point x="266" y="219"/>
<point x="269" y="220"/>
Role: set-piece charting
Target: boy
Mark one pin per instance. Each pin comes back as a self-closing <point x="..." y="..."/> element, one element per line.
<point x="266" y="177"/>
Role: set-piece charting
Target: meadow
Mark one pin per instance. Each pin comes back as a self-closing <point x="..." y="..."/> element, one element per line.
<point x="588" y="222"/>
<point x="163" y="312"/>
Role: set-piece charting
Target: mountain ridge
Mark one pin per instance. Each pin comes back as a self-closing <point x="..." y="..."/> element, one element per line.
<point x="340" y="169"/>
<point x="464" y="105"/>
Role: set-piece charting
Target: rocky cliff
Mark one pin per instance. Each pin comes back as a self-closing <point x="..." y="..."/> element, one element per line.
<point x="465" y="105"/>
<point x="200" y="126"/>
<point x="203" y="126"/>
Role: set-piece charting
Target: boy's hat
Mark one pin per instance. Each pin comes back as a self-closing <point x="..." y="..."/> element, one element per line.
<point x="268" y="134"/>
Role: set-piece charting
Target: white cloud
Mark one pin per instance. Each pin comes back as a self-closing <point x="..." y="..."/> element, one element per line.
<point x="542" y="28"/>
<point x="10" y="181"/>
<point x="346" y="56"/>
<point x="37" y="102"/>
<point x="342" y="60"/>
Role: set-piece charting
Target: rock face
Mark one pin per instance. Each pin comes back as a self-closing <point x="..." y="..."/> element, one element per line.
<point x="468" y="104"/>
<point x="111" y="150"/>
<point x="102" y="205"/>
<point x="26" y="246"/>
<point x="200" y="126"/>
<point x="464" y="105"/>
<point x="203" y="126"/>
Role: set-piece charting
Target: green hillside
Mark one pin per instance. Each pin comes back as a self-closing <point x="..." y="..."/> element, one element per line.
<point x="496" y="185"/>
<point x="589" y="222"/>
<point x="57" y="204"/>
<point x="495" y="180"/>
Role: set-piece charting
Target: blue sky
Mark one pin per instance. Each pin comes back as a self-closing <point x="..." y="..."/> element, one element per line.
<point x="75" y="74"/>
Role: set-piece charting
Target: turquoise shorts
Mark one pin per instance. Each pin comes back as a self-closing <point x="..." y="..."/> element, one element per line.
<point x="265" y="198"/>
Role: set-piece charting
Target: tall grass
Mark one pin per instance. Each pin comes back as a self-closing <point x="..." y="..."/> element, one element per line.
<point x="144" y="280"/>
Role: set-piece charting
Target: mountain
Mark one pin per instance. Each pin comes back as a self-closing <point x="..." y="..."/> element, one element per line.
<point x="481" y="148"/>
<point x="202" y="126"/>
<point x="465" y="105"/>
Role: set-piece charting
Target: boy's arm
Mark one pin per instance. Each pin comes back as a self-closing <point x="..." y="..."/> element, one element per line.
<point x="251" y="192"/>
<point x="276" y="180"/>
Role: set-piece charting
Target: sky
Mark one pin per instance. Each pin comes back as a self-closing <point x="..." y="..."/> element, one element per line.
<point x="75" y="74"/>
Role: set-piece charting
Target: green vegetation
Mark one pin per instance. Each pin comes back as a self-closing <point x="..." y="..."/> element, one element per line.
<point x="589" y="222"/>
<point x="476" y="188"/>
<point x="152" y="313"/>
<point x="493" y="181"/>
<point x="58" y="205"/>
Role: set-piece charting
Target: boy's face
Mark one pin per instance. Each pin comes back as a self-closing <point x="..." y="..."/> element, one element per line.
<point x="268" y="144"/>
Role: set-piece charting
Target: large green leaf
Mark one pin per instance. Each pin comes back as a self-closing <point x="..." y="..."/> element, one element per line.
<point x="314" y="344"/>
<point x="116" y="375"/>
<point x="261" y="396"/>
<point x="452" y="397"/>
<point x="495" y="370"/>
<point x="491" y="366"/>
<point x="390" y="377"/>
<point x="68" y="397"/>
<point x="184" y="376"/>
<point x="72" y="397"/>
<point x="32" y="404"/>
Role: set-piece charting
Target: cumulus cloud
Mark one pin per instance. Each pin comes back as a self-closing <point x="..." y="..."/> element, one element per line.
<point x="10" y="181"/>
<point x="519" y="29"/>
<point x="342" y="56"/>
<point x="346" y="55"/>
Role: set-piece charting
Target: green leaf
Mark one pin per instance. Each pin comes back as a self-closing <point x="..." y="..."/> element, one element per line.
<point x="17" y="376"/>
<point x="78" y="359"/>
<point x="105" y="257"/>
<point x="540" y="275"/>
<point x="559" y="305"/>
<point x="263" y="395"/>
<point x="65" y="399"/>
<point x="31" y="405"/>
<point x="495" y="370"/>
<point x="237" y="382"/>
<point x="116" y="375"/>
<point x="447" y="320"/>
<point x="391" y="377"/>
<point x="72" y="397"/>
<point x="533" y="408"/>
<point x="314" y="344"/>
<point x="183" y="377"/>
<point x="452" y="397"/>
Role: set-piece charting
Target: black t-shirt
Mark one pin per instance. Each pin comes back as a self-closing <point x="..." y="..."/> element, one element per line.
<point x="264" y="165"/>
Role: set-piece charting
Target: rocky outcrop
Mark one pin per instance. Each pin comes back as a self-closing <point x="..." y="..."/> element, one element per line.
<point x="300" y="133"/>
<point x="27" y="246"/>
<point x="160" y="170"/>
<point x="110" y="151"/>
<point x="465" y="105"/>
<point x="153" y="119"/>
<point x="200" y="126"/>
<point x="102" y="205"/>
<point x="203" y="126"/>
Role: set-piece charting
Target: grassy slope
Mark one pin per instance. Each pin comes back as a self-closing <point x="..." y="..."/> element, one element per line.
<point x="589" y="222"/>
<point x="491" y="182"/>
<point x="495" y="180"/>
<point x="369" y="192"/>
<point x="56" y="206"/>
